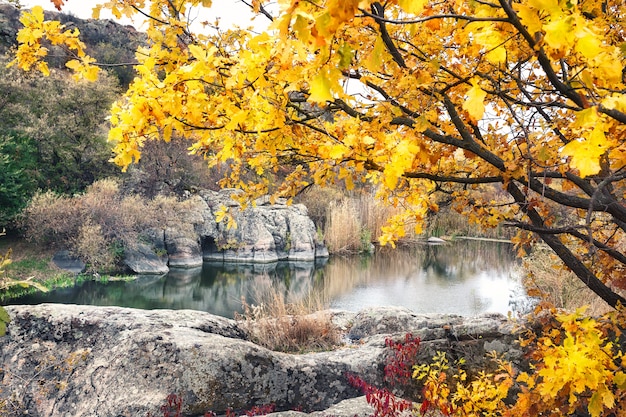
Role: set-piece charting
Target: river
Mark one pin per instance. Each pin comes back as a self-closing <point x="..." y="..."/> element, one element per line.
<point x="466" y="278"/>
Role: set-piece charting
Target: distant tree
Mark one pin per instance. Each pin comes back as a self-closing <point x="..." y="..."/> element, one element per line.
<point x="18" y="175"/>
<point x="53" y="136"/>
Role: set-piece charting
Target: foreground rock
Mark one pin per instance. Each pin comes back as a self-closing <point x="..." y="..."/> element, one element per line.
<point x="61" y="360"/>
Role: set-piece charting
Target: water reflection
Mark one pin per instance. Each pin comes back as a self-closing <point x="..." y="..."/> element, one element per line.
<point x="464" y="278"/>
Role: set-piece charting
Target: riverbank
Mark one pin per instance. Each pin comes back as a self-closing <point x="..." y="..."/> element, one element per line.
<point x="33" y="263"/>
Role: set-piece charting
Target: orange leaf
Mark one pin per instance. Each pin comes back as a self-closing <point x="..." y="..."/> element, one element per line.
<point x="58" y="4"/>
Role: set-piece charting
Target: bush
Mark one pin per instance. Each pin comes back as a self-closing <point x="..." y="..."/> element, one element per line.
<point x="98" y="224"/>
<point x="18" y="175"/>
<point x="53" y="136"/>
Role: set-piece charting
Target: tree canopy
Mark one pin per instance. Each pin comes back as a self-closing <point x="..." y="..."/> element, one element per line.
<point x="512" y="110"/>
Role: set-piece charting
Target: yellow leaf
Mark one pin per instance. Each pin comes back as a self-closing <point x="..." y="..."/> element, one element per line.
<point x="587" y="117"/>
<point x="198" y="52"/>
<point x="43" y="67"/>
<point x="585" y="154"/>
<point x="74" y="64"/>
<point x="337" y="151"/>
<point x="374" y="61"/>
<point x="320" y="89"/>
<point x="95" y="12"/>
<point x="37" y="13"/>
<point x="529" y="17"/>
<point x="474" y="104"/>
<point x="221" y="213"/>
<point x="559" y="33"/>
<point x="588" y="45"/>
<point x="413" y="6"/>
<point x="236" y="119"/>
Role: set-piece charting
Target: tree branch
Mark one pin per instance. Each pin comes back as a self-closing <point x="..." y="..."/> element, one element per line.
<point x="569" y="259"/>
<point x="378" y="13"/>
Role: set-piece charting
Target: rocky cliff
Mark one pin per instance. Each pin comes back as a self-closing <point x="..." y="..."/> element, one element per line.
<point x="61" y="360"/>
<point x="107" y="41"/>
<point x="264" y="233"/>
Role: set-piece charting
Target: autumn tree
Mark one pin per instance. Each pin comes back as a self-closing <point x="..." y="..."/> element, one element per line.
<point x="421" y="98"/>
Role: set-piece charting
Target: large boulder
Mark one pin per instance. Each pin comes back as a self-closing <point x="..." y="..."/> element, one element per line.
<point x="143" y="259"/>
<point x="183" y="249"/>
<point x="60" y="360"/>
<point x="265" y="233"/>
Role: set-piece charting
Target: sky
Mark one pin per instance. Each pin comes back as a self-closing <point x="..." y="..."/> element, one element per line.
<point x="230" y="12"/>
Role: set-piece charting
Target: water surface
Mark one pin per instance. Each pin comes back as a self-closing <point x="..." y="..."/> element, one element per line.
<point x="464" y="278"/>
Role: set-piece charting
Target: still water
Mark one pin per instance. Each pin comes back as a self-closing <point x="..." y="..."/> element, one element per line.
<point x="465" y="278"/>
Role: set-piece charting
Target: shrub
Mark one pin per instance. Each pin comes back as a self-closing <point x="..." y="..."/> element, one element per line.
<point x="98" y="224"/>
<point x="93" y="248"/>
<point x="343" y="227"/>
<point x="18" y="175"/>
<point x="576" y="368"/>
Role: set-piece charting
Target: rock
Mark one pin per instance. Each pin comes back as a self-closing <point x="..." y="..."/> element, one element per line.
<point x="352" y="407"/>
<point x="142" y="259"/>
<point x="64" y="260"/>
<point x="265" y="233"/>
<point x="183" y="249"/>
<point x="60" y="360"/>
<point x="436" y="241"/>
<point x="110" y="361"/>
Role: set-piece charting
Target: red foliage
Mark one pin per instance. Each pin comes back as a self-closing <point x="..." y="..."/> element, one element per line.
<point x="385" y="403"/>
<point x="399" y="367"/>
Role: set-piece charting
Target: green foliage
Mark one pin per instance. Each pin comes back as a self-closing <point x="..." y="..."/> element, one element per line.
<point x="18" y="175"/>
<point x="54" y="136"/>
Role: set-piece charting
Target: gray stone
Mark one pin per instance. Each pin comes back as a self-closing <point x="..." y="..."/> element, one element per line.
<point x="183" y="250"/>
<point x="352" y="407"/>
<point x="143" y="259"/>
<point x="64" y="260"/>
<point x="265" y="232"/>
<point x="61" y="360"/>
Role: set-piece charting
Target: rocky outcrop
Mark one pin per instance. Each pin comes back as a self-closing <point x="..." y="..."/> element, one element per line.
<point x="60" y="360"/>
<point x="265" y="233"/>
<point x="64" y="260"/>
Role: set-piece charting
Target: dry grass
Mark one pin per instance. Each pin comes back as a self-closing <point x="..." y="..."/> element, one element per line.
<point x="351" y="222"/>
<point x="343" y="227"/>
<point x="99" y="224"/>
<point x="558" y="286"/>
<point x="284" y="326"/>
